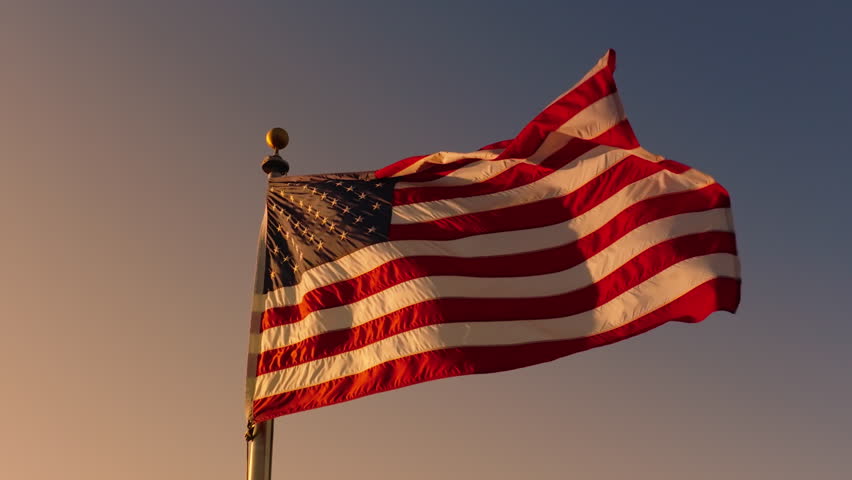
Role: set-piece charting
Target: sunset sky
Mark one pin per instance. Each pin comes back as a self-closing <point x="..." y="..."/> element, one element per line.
<point x="131" y="135"/>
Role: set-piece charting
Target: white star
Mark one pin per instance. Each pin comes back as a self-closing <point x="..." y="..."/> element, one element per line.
<point x="320" y="245"/>
<point x="330" y="227"/>
<point x="343" y="235"/>
<point x="378" y="184"/>
<point x="371" y="229"/>
<point x="346" y="210"/>
<point x="322" y="197"/>
<point x="339" y="184"/>
<point x="376" y="206"/>
<point x="349" y="188"/>
<point x="333" y="202"/>
<point x="362" y="196"/>
<point x="359" y="219"/>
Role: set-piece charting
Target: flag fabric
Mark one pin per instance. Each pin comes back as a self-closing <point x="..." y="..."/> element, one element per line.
<point x="567" y="237"/>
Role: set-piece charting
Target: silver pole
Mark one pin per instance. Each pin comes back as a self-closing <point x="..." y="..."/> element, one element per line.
<point x="259" y="461"/>
<point x="259" y="436"/>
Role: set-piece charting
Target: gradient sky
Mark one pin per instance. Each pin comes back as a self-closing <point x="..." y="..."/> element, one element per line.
<point x="130" y="196"/>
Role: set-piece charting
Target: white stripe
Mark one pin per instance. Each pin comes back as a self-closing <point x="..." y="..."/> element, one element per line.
<point x="652" y="294"/>
<point x="442" y="158"/>
<point x="595" y="119"/>
<point x="499" y="243"/>
<point x="423" y="289"/>
<point x="471" y="173"/>
<point x="559" y="183"/>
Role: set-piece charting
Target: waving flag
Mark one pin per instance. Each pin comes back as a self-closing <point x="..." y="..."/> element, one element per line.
<point x="568" y="237"/>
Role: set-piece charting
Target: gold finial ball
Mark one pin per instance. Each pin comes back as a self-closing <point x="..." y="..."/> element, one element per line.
<point x="277" y="138"/>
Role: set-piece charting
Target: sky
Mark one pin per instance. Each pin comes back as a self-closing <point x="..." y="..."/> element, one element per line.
<point x="131" y="135"/>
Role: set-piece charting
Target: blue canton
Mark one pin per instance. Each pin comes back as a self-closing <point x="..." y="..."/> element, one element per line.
<point x="315" y="219"/>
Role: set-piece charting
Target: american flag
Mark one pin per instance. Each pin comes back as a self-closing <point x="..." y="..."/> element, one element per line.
<point x="568" y="237"/>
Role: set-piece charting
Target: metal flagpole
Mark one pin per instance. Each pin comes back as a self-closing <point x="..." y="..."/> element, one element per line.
<point x="259" y="435"/>
<point x="259" y="461"/>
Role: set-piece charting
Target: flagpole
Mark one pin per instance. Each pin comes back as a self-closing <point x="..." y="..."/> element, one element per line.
<point x="259" y="435"/>
<point x="259" y="461"/>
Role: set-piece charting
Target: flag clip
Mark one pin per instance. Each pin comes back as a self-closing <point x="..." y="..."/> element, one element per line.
<point x="251" y="430"/>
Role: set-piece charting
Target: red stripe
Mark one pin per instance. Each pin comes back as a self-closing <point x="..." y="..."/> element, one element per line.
<point x="534" y="214"/>
<point x="452" y="310"/>
<point x="620" y="136"/>
<point x="674" y="166"/>
<point x="716" y="294"/>
<point x="521" y="264"/>
<point x="515" y="176"/>
<point x="497" y="145"/>
<point x="594" y="88"/>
